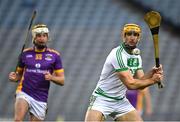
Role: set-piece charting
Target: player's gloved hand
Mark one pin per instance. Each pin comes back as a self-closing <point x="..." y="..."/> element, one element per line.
<point x="48" y="76"/>
<point x="13" y="76"/>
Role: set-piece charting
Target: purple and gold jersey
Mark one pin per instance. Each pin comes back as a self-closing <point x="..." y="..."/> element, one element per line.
<point x="132" y="95"/>
<point x="135" y="98"/>
<point x="34" y="65"/>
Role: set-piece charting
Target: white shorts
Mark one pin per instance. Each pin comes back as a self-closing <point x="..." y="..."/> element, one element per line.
<point x="110" y="108"/>
<point x="37" y="108"/>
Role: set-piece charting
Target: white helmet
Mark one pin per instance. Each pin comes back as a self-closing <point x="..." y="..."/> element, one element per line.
<point x="39" y="28"/>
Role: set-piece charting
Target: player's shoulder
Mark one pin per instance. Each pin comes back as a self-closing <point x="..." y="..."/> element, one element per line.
<point x="112" y="53"/>
<point x="53" y="51"/>
<point x="117" y="53"/>
<point x="28" y="49"/>
<point x="115" y="49"/>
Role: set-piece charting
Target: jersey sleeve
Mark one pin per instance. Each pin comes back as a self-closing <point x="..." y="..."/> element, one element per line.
<point x="21" y="60"/>
<point x="58" y="64"/>
<point x="117" y="61"/>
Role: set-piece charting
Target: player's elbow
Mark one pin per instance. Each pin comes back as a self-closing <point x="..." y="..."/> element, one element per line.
<point x="62" y="81"/>
<point x="59" y="81"/>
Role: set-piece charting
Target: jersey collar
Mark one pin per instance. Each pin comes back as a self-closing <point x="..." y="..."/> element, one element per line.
<point x="39" y="51"/>
<point x="127" y="50"/>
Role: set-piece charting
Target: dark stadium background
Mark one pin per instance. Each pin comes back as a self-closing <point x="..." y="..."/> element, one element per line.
<point x="84" y="31"/>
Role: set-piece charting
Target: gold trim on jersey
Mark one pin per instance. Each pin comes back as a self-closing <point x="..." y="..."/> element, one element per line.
<point x="39" y="51"/>
<point x="20" y="85"/>
<point x="19" y="69"/>
<point x="19" y="88"/>
<point x="59" y="70"/>
<point x="52" y="50"/>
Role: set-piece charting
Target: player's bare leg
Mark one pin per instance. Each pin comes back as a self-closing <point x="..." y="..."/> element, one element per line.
<point x="94" y="115"/>
<point x="21" y="108"/>
<point x="131" y="116"/>
<point x="33" y="118"/>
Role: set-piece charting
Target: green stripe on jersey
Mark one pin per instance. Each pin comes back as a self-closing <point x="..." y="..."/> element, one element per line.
<point x="119" y="57"/>
<point x="99" y="91"/>
<point x="122" y="69"/>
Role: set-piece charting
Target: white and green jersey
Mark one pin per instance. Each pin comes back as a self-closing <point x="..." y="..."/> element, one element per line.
<point x="109" y="85"/>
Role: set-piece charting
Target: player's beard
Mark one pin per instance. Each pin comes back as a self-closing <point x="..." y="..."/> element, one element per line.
<point x="40" y="46"/>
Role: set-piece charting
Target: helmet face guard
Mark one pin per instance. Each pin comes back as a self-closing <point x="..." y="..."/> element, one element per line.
<point x="39" y="29"/>
<point x="131" y="29"/>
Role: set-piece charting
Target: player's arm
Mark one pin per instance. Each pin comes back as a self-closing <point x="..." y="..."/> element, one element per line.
<point x="16" y="76"/>
<point x="132" y="83"/>
<point x="57" y="77"/>
<point x="58" y="74"/>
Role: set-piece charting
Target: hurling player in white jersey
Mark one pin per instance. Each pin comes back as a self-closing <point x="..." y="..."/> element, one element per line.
<point x="122" y="70"/>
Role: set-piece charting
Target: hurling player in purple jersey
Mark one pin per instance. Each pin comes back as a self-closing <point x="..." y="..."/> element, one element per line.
<point x="37" y="67"/>
<point x="141" y="100"/>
